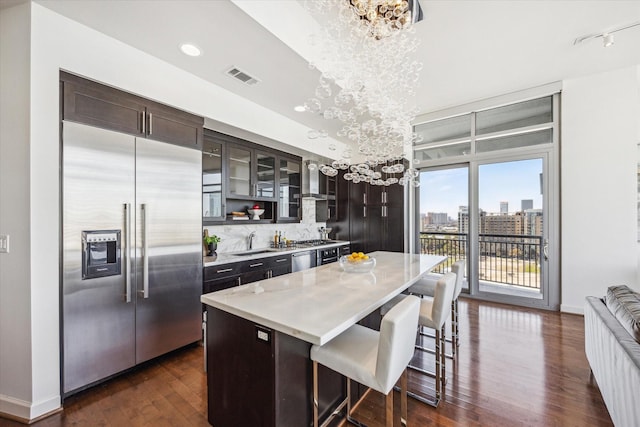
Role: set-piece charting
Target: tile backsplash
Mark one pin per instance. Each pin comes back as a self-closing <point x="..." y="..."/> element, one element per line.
<point x="235" y="237"/>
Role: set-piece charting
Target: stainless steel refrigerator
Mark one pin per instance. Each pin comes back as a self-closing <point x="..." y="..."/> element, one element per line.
<point x="131" y="251"/>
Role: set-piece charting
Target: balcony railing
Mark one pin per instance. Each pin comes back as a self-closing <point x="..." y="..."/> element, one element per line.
<point x="506" y="259"/>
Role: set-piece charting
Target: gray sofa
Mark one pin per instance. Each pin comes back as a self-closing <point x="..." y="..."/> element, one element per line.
<point x="612" y="345"/>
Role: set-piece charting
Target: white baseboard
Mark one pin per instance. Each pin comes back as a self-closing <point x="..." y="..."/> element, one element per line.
<point x="27" y="411"/>
<point x="571" y="309"/>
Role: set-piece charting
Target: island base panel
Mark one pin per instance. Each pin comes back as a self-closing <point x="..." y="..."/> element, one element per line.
<point x="256" y="383"/>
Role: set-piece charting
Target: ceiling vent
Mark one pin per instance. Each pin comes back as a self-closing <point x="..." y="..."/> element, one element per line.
<point x="242" y="76"/>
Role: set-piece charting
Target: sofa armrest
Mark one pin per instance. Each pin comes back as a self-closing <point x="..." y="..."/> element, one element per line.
<point x="614" y="357"/>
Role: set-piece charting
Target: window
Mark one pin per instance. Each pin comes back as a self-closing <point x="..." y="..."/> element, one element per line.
<point x="523" y="124"/>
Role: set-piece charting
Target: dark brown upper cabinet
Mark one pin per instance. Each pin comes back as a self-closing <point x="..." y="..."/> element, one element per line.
<point x="95" y="104"/>
<point x="289" y="180"/>
<point x="213" y="182"/>
<point x="252" y="174"/>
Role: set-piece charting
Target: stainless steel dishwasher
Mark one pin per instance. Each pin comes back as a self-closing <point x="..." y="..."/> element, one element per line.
<point x="303" y="260"/>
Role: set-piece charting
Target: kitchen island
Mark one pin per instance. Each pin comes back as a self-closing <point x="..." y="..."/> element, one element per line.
<point x="259" y="336"/>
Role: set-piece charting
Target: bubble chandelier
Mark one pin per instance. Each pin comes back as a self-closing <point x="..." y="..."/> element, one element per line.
<point x="368" y="79"/>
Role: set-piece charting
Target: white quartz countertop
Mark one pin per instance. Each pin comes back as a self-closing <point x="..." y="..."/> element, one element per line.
<point x="226" y="258"/>
<point x="317" y="304"/>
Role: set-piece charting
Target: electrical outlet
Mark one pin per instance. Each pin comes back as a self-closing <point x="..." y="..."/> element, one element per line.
<point x="262" y="335"/>
<point x="4" y="243"/>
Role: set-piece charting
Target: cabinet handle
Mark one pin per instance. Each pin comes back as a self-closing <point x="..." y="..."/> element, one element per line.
<point x="255" y="265"/>
<point x="364" y="211"/>
<point x="224" y="270"/>
<point x="239" y="280"/>
<point x="364" y="198"/>
<point x="144" y="122"/>
<point x="281" y="260"/>
<point x="150" y="123"/>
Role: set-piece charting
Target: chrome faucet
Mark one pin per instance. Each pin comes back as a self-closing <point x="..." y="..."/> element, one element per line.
<point x="250" y="240"/>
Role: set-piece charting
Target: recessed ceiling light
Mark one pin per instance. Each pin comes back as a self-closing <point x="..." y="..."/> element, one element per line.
<point x="190" y="49"/>
<point x="299" y="108"/>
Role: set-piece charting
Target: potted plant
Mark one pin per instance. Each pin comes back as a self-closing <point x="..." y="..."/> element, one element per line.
<point x="212" y="244"/>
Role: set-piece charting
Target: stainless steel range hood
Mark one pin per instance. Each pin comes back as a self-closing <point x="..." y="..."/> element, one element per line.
<point x="311" y="182"/>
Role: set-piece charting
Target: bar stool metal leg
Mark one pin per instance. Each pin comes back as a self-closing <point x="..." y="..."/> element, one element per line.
<point x="315" y="394"/>
<point x="457" y="326"/>
<point x="403" y="398"/>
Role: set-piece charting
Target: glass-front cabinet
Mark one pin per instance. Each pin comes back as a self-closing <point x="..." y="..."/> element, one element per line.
<point x="252" y="173"/>
<point x="289" y="185"/>
<point x="239" y="171"/>
<point x="238" y="175"/>
<point x="212" y="182"/>
<point x="265" y="185"/>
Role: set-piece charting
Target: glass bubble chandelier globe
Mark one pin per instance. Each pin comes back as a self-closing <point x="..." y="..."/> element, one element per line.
<point x="364" y="53"/>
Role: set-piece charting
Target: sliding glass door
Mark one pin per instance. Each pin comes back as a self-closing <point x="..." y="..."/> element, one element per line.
<point x="494" y="215"/>
<point x="511" y="239"/>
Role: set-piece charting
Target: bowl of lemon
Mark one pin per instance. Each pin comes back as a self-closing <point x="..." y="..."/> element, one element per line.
<point x="357" y="262"/>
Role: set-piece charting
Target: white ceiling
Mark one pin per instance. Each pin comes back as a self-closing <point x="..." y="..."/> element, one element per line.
<point x="470" y="49"/>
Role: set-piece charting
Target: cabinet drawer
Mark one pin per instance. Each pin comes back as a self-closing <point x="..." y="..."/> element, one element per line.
<point x="278" y="261"/>
<point x="222" y="271"/>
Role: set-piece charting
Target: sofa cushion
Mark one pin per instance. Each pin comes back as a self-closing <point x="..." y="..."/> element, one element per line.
<point x="624" y="303"/>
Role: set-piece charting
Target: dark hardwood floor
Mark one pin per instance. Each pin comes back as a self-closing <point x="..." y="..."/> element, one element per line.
<point x="516" y="367"/>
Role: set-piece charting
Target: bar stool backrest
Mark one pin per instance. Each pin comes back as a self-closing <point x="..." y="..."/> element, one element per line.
<point x="397" y="340"/>
<point x="458" y="269"/>
<point x="443" y="295"/>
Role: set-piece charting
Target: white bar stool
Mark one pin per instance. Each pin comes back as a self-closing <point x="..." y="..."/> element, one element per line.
<point x="433" y="314"/>
<point x="374" y="359"/>
<point x="426" y="287"/>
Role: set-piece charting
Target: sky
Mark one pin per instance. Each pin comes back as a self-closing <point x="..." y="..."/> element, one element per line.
<point x="446" y="190"/>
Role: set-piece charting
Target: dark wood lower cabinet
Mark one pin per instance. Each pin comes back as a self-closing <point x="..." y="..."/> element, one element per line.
<point x="258" y="377"/>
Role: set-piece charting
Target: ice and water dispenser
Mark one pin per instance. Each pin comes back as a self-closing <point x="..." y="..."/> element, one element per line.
<point x="100" y="253"/>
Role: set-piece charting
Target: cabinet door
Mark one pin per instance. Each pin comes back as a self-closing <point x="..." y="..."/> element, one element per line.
<point x="357" y="216"/>
<point x="265" y="176"/>
<point x="220" y="284"/>
<point x="279" y="271"/>
<point x="102" y="107"/>
<point x="254" y="276"/>
<point x="394" y="218"/>
<point x="340" y="226"/>
<point x="289" y="176"/>
<point x="212" y="183"/>
<point x="375" y="228"/>
<point x="170" y="125"/>
<point x="239" y="171"/>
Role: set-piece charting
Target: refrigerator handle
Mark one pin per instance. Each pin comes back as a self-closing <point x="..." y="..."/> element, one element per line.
<point x="127" y="251"/>
<point x="145" y="255"/>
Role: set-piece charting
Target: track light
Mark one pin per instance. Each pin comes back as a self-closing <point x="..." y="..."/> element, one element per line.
<point x="607" y="37"/>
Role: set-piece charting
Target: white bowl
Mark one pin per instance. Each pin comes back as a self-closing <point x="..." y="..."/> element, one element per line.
<point x="255" y="213"/>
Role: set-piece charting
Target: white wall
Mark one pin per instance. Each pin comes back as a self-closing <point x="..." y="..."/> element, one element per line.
<point x="598" y="184"/>
<point x="15" y="276"/>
